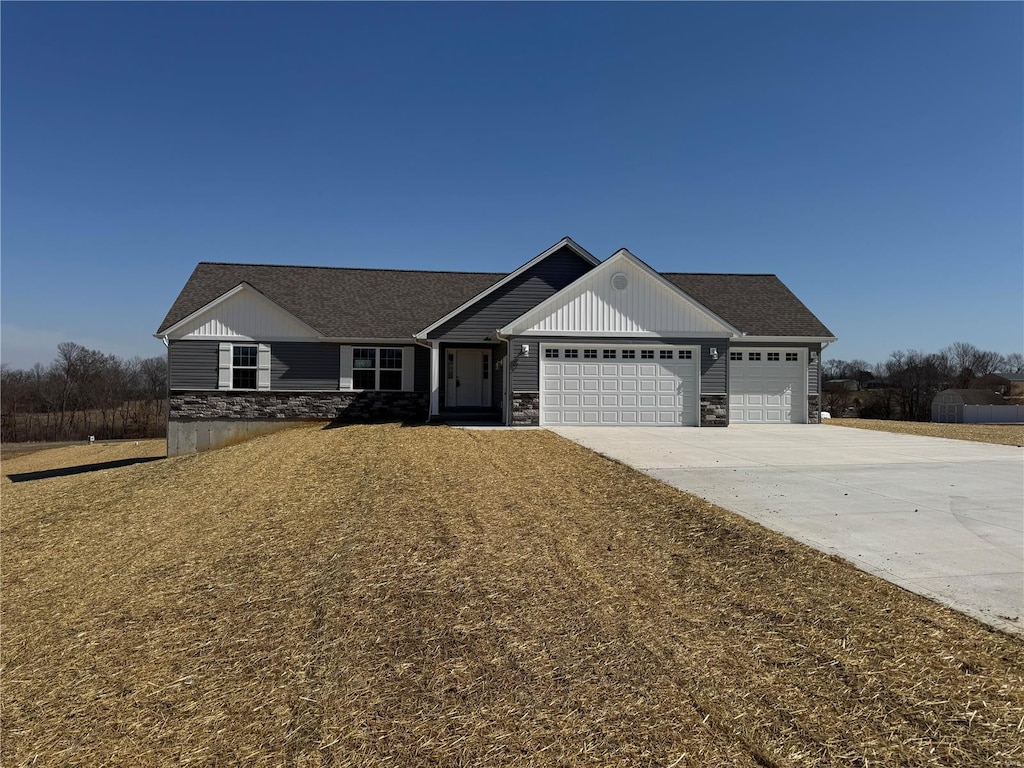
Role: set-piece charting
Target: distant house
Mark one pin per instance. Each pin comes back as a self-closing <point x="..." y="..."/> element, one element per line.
<point x="973" y="406"/>
<point x="565" y="339"/>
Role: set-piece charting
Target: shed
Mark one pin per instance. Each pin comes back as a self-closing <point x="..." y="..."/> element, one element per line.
<point x="948" y="405"/>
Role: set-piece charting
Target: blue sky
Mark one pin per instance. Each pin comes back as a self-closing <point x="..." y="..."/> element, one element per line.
<point x="870" y="154"/>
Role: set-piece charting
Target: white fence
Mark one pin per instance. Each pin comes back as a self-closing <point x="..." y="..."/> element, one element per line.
<point x="993" y="414"/>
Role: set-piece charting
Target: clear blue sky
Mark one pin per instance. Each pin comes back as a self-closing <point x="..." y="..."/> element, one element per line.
<point x="870" y="154"/>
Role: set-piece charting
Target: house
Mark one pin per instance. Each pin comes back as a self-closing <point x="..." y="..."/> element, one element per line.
<point x="974" y="406"/>
<point x="564" y="339"/>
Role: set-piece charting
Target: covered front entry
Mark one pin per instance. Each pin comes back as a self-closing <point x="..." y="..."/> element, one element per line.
<point x="468" y="378"/>
<point x="605" y="385"/>
<point x="767" y="386"/>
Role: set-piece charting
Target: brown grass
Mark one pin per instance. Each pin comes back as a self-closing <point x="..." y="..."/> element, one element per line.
<point x="431" y="596"/>
<point x="998" y="434"/>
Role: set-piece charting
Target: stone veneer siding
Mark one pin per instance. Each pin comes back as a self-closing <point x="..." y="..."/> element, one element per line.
<point x="293" y="406"/>
<point x="714" y="410"/>
<point x="525" y="409"/>
<point x="814" y="409"/>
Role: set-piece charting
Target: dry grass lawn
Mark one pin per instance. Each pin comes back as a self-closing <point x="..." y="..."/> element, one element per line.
<point x="999" y="434"/>
<point x="380" y="595"/>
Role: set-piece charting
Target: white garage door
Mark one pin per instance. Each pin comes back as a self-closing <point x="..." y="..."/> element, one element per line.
<point x="767" y="386"/>
<point x="605" y="385"/>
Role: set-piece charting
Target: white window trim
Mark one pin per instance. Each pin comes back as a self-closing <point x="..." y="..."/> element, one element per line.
<point x="347" y="379"/>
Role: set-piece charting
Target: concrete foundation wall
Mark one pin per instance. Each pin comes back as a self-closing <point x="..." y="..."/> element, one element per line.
<point x="197" y="435"/>
<point x="201" y="421"/>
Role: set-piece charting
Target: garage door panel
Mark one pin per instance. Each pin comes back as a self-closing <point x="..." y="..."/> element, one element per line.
<point x="768" y="391"/>
<point x="618" y="390"/>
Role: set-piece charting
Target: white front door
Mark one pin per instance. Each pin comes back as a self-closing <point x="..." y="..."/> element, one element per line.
<point x="468" y="378"/>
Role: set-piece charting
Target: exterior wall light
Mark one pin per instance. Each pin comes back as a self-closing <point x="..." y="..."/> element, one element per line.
<point x="526" y="350"/>
<point x="714" y="353"/>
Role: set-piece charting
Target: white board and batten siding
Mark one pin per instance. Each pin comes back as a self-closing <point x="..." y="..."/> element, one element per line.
<point x="767" y="386"/>
<point x="596" y="385"/>
<point x="624" y="299"/>
<point x="245" y="314"/>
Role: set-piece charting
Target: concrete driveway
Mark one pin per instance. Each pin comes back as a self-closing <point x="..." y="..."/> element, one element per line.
<point x="942" y="518"/>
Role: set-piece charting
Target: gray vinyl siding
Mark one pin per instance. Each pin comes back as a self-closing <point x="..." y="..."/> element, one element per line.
<point x="304" y="366"/>
<point x="714" y="374"/>
<point x="526" y="369"/>
<point x="813" y="370"/>
<point x="478" y="322"/>
<point x="192" y="364"/>
<point x="421" y="370"/>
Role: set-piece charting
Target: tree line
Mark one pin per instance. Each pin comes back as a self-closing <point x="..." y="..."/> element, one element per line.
<point x="904" y="385"/>
<point x="84" y="393"/>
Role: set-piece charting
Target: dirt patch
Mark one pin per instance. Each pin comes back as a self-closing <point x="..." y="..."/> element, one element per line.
<point x="998" y="434"/>
<point x="410" y="596"/>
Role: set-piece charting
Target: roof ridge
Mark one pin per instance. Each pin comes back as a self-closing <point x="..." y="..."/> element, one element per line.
<point x="349" y="269"/>
<point x="725" y="274"/>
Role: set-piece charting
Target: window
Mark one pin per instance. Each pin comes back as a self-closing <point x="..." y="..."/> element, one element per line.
<point x="685" y="354"/>
<point x="773" y="357"/>
<point x="549" y="352"/>
<point x="572" y="353"/>
<point x="374" y="368"/>
<point x="243" y="366"/>
<point x="608" y="354"/>
<point x="754" y="356"/>
<point x="792" y="357"/>
<point x="487" y="366"/>
<point x="628" y="354"/>
<point x="735" y="355"/>
<point x="646" y="354"/>
<point x="665" y="354"/>
<point x="590" y="354"/>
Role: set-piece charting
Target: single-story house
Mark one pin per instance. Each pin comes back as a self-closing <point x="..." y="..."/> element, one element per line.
<point x="565" y="339"/>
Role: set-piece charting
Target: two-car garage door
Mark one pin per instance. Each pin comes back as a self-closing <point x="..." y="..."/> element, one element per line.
<point x="608" y="385"/>
<point x="767" y="386"/>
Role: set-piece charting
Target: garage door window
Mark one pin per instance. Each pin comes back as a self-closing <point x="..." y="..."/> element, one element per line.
<point x="608" y="354"/>
<point x="753" y="356"/>
<point x="735" y="355"/>
<point x="792" y="357"/>
<point x="628" y="354"/>
<point x="572" y="353"/>
<point x="773" y="357"/>
<point x="551" y="353"/>
<point x="590" y="354"/>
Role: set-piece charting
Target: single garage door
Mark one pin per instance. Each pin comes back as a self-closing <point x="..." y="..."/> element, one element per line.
<point x="608" y="385"/>
<point x="767" y="386"/>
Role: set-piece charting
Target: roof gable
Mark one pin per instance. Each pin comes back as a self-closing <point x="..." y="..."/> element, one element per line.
<point x="621" y="296"/>
<point x="245" y="313"/>
<point x="566" y="243"/>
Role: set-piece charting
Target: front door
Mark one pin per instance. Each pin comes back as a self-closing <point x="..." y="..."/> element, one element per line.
<point x="468" y="383"/>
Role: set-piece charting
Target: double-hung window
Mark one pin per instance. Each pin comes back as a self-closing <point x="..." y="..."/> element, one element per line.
<point x="377" y="368"/>
<point x="243" y="366"/>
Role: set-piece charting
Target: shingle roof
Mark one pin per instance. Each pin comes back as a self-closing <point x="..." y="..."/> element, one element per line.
<point x="339" y="301"/>
<point x="974" y="396"/>
<point x="394" y="304"/>
<point x="759" y="305"/>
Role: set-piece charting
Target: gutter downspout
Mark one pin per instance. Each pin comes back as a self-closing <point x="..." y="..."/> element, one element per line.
<point x="435" y="376"/>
